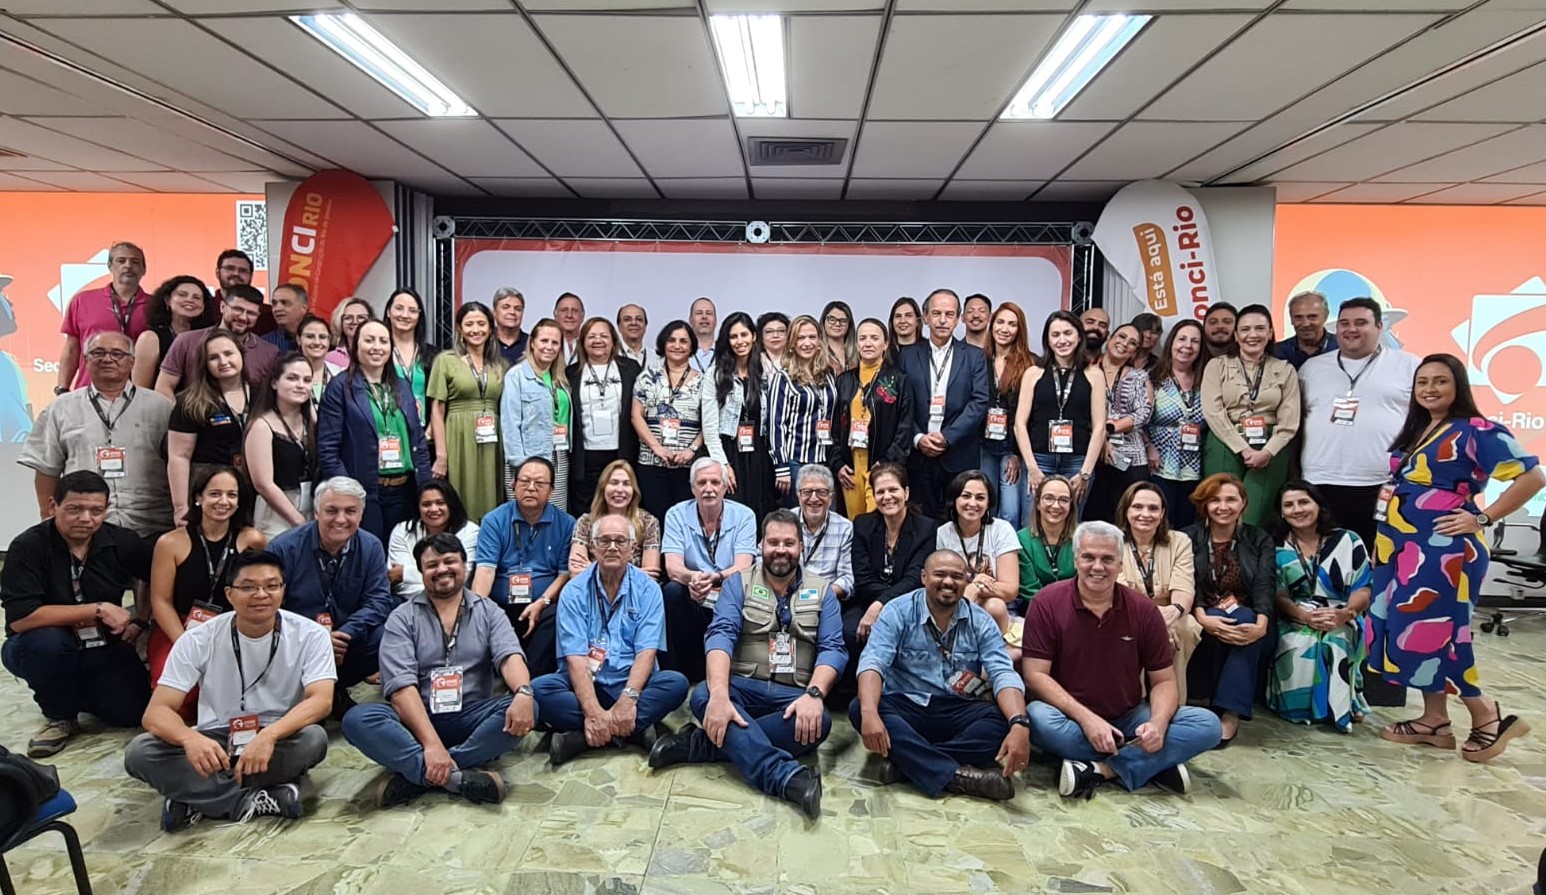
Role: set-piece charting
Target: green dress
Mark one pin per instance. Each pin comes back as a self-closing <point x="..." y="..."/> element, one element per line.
<point x="476" y="470"/>
<point x="1038" y="569"/>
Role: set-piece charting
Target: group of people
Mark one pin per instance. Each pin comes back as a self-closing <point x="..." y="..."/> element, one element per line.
<point x="956" y="538"/>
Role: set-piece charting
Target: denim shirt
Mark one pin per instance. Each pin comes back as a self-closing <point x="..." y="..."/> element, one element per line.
<point x="903" y="651"/>
<point x="526" y="415"/>
<point x="635" y="622"/>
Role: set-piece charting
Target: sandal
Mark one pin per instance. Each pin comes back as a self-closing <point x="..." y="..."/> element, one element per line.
<point x="1415" y="733"/>
<point x="1491" y="745"/>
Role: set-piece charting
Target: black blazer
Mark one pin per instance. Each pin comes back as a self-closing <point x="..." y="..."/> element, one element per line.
<point x="1258" y="558"/>
<point x="627" y="438"/>
<point x="913" y="546"/>
<point x="890" y="403"/>
<point x="966" y="400"/>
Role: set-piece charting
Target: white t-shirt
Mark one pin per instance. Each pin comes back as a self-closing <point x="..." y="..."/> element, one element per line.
<point x="1359" y="454"/>
<point x="997" y="539"/>
<point x="400" y="552"/>
<point x="203" y="658"/>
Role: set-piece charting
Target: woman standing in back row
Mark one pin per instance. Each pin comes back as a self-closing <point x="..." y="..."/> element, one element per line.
<point x="464" y="389"/>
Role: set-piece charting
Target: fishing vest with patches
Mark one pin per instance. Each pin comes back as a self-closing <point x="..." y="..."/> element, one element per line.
<point x="759" y="624"/>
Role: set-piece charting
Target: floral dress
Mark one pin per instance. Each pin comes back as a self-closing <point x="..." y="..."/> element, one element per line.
<point x="1318" y="675"/>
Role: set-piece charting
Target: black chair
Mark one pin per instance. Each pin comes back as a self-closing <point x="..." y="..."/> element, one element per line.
<point x="26" y="819"/>
<point x="1524" y="572"/>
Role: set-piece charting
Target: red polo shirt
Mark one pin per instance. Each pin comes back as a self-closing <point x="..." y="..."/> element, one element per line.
<point x="1099" y="661"/>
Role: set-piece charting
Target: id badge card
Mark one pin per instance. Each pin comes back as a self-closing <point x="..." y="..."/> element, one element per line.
<point x="199" y="614"/>
<point x="89" y="635"/>
<point x="325" y="619"/>
<point x="1344" y="409"/>
<point x="823" y="432"/>
<point x="599" y="425"/>
<point x="998" y="424"/>
<point x="220" y="419"/>
<point x="1228" y="604"/>
<point x="745" y="439"/>
<point x="242" y="731"/>
<point x="596" y="657"/>
<point x="936" y="413"/>
<point x="520" y="587"/>
<point x="1060" y="436"/>
<point x="859" y="433"/>
<point x="1382" y="505"/>
<point x="389" y="452"/>
<point x="560" y="434"/>
<point x="781" y="653"/>
<point x="110" y="462"/>
<point x="1191" y="437"/>
<point x="966" y="683"/>
<point x="483" y="429"/>
<point x="445" y="689"/>
<point x="1255" y="430"/>
<point x="670" y="432"/>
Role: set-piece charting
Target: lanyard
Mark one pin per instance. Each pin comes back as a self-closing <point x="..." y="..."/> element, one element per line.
<point x="599" y="383"/>
<point x="236" y="649"/>
<point x="712" y="543"/>
<point x="820" y="536"/>
<point x="123" y="312"/>
<point x="448" y="641"/>
<point x="1112" y="383"/>
<point x="403" y="368"/>
<point x="1146" y="571"/>
<point x="302" y="443"/>
<point x="973" y="562"/>
<point x="1052" y="549"/>
<point x="241" y="418"/>
<point x="1310" y="577"/>
<point x="1253" y="388"/>
<point x="1352" y="381"/>
<point x="128" y="398"/>
<point x="521" y="549"/>
<point x="937" y="372"/>
<point x="216" y="570"/>
<point x="329" y="566"/>
<point x="946" y="641"/>
<point x="1213" y="567"/>
<point x="607" y="609"/>
<point x="1062" y="386"/>
<point x="479" y="375"/>
<point x="77" y="567"/>
<point x="551" y="382"/>
<point x="383" y="399"/>
<point x="1190" y="399"/>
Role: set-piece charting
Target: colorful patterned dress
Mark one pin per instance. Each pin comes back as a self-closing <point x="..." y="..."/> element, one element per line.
<point x="1318" y="675"/>
<point x="1424" y="582"/>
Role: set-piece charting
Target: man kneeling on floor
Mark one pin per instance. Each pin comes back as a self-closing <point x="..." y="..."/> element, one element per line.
<point x="440" y="653"/>
<point x="1088" y="643"/>
<point x="265" y="679"/>
<point x="780" y="632"/>
<point x="611" y="624"/>
<point x="924" y="682"/>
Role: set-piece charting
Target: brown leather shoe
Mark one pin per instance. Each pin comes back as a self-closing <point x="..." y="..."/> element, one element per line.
<point x="983" y="784"/>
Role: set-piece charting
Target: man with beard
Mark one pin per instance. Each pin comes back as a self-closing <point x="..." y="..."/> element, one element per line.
<point x="238" y="313"/>
<point x="1097" y="326"/>
<point x="976" y="311"/>
<point x="1218" y="330"/>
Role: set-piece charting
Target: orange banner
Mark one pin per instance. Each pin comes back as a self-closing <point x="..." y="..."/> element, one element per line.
<point x="334" y="227"/>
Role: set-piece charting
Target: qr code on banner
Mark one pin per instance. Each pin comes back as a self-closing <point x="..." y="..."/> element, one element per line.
<point x="252" y="232"/>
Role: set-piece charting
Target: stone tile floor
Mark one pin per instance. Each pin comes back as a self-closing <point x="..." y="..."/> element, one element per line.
<point x="1286" y="810"/>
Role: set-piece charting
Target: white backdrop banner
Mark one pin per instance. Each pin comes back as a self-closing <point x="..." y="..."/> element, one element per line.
<point x="666" y="277"/>
<point x="1155" y="235"/>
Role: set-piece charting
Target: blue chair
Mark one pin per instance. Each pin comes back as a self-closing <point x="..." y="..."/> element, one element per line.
<point x="19" y="802"/>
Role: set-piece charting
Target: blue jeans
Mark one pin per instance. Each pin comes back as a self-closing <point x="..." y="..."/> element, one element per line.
<point x="108" y="681"/>
<point x="791" y="499"/>
<point x="1012" y="501"/>
<point x="765" y="749"/>
<point x="1223" y="673"/>
<point x="390" y="506"/>
<point x="930" y="743"/>
<point x="559" y="708"/>
<point x="1065" y="465"/>
<point x="474" y="736"/>
<point x="1192" y="731"/>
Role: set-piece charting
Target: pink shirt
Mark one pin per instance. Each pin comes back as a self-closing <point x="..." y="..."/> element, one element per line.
<point x="91" y="311"/>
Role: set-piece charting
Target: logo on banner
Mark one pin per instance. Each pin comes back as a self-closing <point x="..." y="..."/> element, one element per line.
<point x="1155" y="235"/>
<point x="334" y="228"/>
<point x="1504" y="345"/>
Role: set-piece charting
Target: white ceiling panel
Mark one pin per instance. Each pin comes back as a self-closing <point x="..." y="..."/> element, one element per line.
<point x="1388" y="149"/>
<point x="701" y="148"/>
<point x="201" y="66"/>
<point x="605" y="5"/>
<point x="23" y="184"/>
<point x="1304" y="192"/>
<point x="613" y="188"/>
<point x="170" y="182"/>
<point x="146" y="142"/>
<point x="84" y="181"/>
<point x="1255" y="74"/>
<point x="1078" y="191"/>
<point x="829" y="64"/>
<point x="912" y="149"/>
<point x="81" y="7"/>
<point x="1227" y="156"/>
<point x="572" y="147"/>
<point x="24" y="96"/>
<point x="879" y="188"/>
<point x="1379" y="5"/>
<point x="33" y="140"/>
<point x="1437" y="91"/>
<point x="352" y="144"/>
<point x="787" y="7"/>
<point x="703" y="187"/>
<point x="641" y="66"/>
<point x="295" y="52"/>
<point x="1515" y="149"/>
<point x="956" y="67"/>
<point x="798" y="127"/>
<point x="253" y="182"/>
<point x="432" y="5"/>
<point x="467" y="146"/>
<point x="791" y="188"/>
<point x="202" y="7"/>
<point x="1528" y="174"/>
<point x="524" y="187"/>
<point x="493" y="61"/>
<point x="1162" y="52"/>
<point x="958" y="6"/>
<point x="1534" y="199"/>
<point x="1146" y="149"/>
<point x="1514" y="98"/>
<point x="1480" y="194"/>
<point x="1169" y="6"/>
<point x="186" y="130"/>
<point x="989" y="190"/>
<point x="28" y="162"/>
<point x="1035" y="150"/>
<point x="1377" y="193"/>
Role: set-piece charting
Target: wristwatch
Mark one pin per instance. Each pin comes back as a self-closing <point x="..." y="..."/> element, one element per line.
<point x="59" y="389"/>
<point x="631" y="693"/>
<point x="1021" y="721"/>
<point x="815" y="691"/>
<point x="1483" y="520"/>
<point x="525" y="690"/>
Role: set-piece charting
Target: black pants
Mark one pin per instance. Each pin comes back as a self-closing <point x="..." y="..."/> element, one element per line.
<point x="541" y="645"/>
<point x="1353" y="506"/>
<point x="582" y="488"/>
<point x="753" y="476"/>
<point x="661" y="488"/>
<point x="927" y="479"/>
<point x="1107" y="488"/>
<point x="686" y="622"/>
<point x="108" y="681"/>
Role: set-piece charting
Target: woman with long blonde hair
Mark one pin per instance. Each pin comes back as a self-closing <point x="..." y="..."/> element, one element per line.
<point x="800" y="407"/>
<point x="617" y="494"/>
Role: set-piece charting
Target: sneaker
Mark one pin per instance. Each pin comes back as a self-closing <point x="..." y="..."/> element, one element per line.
<point x="1177" y="780"/>
<point x="483" y="787"/>
<point x="673" y="749"/>
<point x="984" y="784"/>
<point x="565" y="745"/>
<point x="397" y="790"/>
<point x="51" y="739"/>
<point x="283" y="800"/>
<point x="1079" y="779"/>
<point x="178" y="816"/>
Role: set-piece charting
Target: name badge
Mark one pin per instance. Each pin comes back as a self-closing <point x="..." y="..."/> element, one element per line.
<point x="937" y="406"/>
<point x="859" y="433"/>
<point x="220" y="419"/>
<point x="670" y="431"/>
<point x="483" y="431"/>
<point x="325" y="619"/>
<point x="560" y="433"/>
<point x="199" y="614"/>
<point x="823" y="432"/>
<point x="110" y="462"/>
<point x="243" y="729"/>
<point x="520" y="587"/>
<point x="1191" y="437"/>
<point x="1344" y="409"/>
<point x="781" y="653"/>
<point x="389" y="452"/>
<point x="1060" y="436"/>
<point x="595" y="657"/>
<point x="967" y="684"/>
<point x="1382" y="505"/>
<point x="1255" y="429"/>
<point x="998" y="424"/>
<point x="746" y="439"/>
<point x="445" y="689"/>
<point x="89" y="635"/>
<point x="1228" y="604"/>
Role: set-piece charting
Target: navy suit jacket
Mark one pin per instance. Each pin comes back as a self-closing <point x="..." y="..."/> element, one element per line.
<point x="966" y="401"/>
<point x="346" y="432"/>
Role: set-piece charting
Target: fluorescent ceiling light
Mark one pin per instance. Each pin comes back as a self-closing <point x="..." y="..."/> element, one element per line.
<point x="751" y="52"/>
<point x="350" y="37"/>
<point x="1079" y="55"/>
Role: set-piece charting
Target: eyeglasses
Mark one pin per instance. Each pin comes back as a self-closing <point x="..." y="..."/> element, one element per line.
<point x="816" y="492"/>
<point x="1057" y="500"/>
<point x="835" y="318"/>
<point x="612" y="542"/>
<point x="116" y="357"/>
<point x="355" y="318"/>
<point x="270" y="587"/>
<point x="533" y="483"/>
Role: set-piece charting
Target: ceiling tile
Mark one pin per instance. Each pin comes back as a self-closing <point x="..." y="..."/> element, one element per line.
<point x="146" y="142"/>
<point x="1388" y="149"/>
<point x="524" y="187"/>
<point x="1035" y="150"/>
<point x="801" y="129"/>
<point x="432" y="5"/>
<point x="1077" y="191"/>
<point x="23" y="184"/>
<point x="1528" y="174"/>
<point x="254" y="182"/>
<point x="202" y="7"/>
<point x="84" y="181"/>
<point x="1304" y="192"/>
<point x="1480" y="194"/>
<point x="81" y="7"/>
<point x="1535" y="199"/>
<point x="696" y="148"/>
<point x="352" y="144"/>
<point x="36" y="141"/>
<point x="985" y="5"/>
<point x="1162" y="52"/>
<point x="919" y="79"/>
<point x="613" y="188"/>
<point x="572" y="147"/>
<point x="1215" y="162"/>
<point x="791" y="188"/>
<point x="829" y="64"/>
<point x="494" y="61"/>
<point x="640" y="66"/>
<point x="467" y="146"/>
<point x="1479" y="73"/>
<point x="990" y="190"/>
<point x="29" y="162"/>
<point x="202" y="67"/>
<point x="170" y="182"/>
<point x="786" y="7"/>
<point x="1170" y="6"/>
<point x="912" y="149"/>
<point x="1144" y="149"/>
<point x="24" y="96"/>
<point x="703" y="187"/>
<point x="1380" y="5"/>
<point x="1377" y="193"/>
<point x="892" y="189"/>
<point x="1515" y="149"/>
<point x="1253" y="74"/>
<point x="605" y="5"/>
<point x="251" y="157"/>
<point x="1514" y="98"/>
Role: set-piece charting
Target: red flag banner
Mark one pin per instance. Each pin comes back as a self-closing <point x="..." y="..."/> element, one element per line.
<point x="334" y="228"/>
